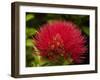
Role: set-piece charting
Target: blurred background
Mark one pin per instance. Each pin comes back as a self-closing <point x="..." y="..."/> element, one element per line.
<point x="35" y="20"/>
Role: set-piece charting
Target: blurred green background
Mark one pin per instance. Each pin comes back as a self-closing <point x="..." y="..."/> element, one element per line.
<point x="35" y="20"/>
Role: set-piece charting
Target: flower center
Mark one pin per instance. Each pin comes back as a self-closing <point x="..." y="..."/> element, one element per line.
<point x="56" y="49"/>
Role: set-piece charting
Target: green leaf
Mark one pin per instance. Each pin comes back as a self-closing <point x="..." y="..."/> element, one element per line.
<point x="29" y="57"/>
<point x="29" y="43"/>
<point x="66" y="62"/>
<point x="45" y="63"/>
<point x="29" y="17"/>
<point x="30" y="31"/>
<point x="37" y="57"/>
<point x="85" y="30"/>
<point x="36" y="60"/>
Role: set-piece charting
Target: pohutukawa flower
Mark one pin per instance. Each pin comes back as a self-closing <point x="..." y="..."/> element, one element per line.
<point x="60" y="39"/>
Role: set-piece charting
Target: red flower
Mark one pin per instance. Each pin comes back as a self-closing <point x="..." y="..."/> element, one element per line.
<point x="60" y="39"/>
